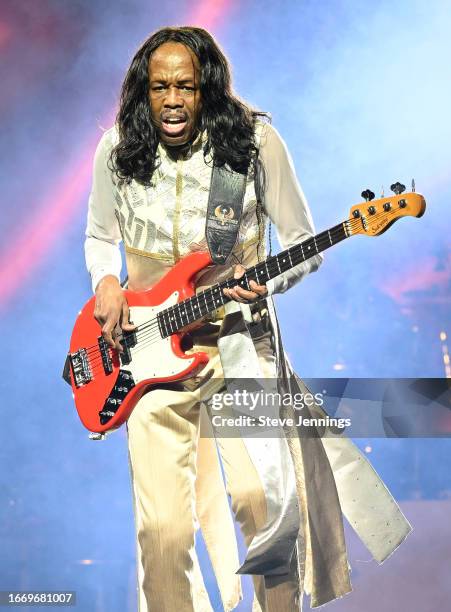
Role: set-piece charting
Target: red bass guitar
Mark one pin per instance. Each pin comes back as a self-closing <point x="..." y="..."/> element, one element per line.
<point x="107" y="384"/>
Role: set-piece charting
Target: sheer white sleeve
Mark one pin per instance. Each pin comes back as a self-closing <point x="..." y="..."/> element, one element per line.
<point x="102" y="253"/>
<point x="286" y="206"/>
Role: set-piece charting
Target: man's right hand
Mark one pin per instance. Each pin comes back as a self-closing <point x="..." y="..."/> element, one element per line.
<point x="111" y="310"/>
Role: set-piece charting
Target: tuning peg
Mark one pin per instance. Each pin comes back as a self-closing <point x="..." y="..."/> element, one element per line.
<point x="397" y="188"/>
<point x="368" y="195"/>
<point x="413" y="185"/>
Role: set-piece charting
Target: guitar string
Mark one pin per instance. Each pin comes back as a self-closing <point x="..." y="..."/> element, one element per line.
<point x="335" y="230"/>
<point x="152" y="326"/>
<point x="148" y="339"/>
<point x="207" y="294"/>
<point x="148" y="329"/>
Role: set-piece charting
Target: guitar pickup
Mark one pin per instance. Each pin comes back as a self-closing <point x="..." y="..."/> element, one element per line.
<point x="129" y="340"/>
<point x="107" y="362"/>
<point x="81" y="369"/>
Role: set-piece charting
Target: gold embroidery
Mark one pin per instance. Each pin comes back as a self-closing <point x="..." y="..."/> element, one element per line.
<point x="261" y="222"/>
<point x="247" y="243"/>
<point x="134" y="251"/>
<point x="178" y="206"/>
<point x="259" y="212"/>
<point x="147" y="254"/>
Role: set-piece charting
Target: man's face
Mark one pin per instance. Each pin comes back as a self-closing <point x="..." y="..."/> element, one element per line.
<point x="175" y="101"/>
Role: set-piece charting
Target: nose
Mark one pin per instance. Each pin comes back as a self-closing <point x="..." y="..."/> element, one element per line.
<point x="173" y="98"/>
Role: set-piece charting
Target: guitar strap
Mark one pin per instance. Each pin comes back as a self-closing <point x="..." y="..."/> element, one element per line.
<point x="225" y="206"/>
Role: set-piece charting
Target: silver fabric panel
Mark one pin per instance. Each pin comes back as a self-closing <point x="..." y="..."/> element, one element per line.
<point x="272" y="548"/>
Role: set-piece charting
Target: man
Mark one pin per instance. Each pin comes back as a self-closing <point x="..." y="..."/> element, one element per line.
<point x="152" y="176"/>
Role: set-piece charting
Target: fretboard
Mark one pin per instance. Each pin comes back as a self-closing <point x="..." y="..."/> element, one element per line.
<point x="205" y="302"/>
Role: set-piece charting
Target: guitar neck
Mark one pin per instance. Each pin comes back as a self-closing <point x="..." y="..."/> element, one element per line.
<point x="205" y="302"/>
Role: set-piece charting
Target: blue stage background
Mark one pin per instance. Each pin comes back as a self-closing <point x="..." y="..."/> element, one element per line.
<point x="361" y="93"/>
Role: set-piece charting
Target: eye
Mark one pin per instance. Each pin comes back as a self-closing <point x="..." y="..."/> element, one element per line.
<point x="158" y="88"/>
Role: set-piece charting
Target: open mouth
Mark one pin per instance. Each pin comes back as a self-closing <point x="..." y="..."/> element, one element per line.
<point x="173" y="126"/>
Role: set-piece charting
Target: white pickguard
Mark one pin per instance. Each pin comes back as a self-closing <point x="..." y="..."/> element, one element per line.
<point x="153" y="357"/>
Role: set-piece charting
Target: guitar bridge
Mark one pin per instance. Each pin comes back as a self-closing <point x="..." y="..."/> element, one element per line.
<point x="81" y="369"/>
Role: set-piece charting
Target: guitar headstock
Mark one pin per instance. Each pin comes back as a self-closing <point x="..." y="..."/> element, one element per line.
<point x="373" y="217"/>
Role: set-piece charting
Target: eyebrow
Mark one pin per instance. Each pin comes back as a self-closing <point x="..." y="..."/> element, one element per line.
<point x="179" y="81"/>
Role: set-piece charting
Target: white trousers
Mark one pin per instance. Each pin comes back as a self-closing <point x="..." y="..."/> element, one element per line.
<point x="166" y="431"/>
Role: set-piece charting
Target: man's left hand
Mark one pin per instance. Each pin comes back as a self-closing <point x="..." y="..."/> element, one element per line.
<point x="243" y="295"/>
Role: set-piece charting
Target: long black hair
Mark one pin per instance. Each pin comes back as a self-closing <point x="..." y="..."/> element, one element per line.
<point x="229" y="122"/>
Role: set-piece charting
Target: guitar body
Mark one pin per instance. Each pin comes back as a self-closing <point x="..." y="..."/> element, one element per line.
<point x="117" y="386"/>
